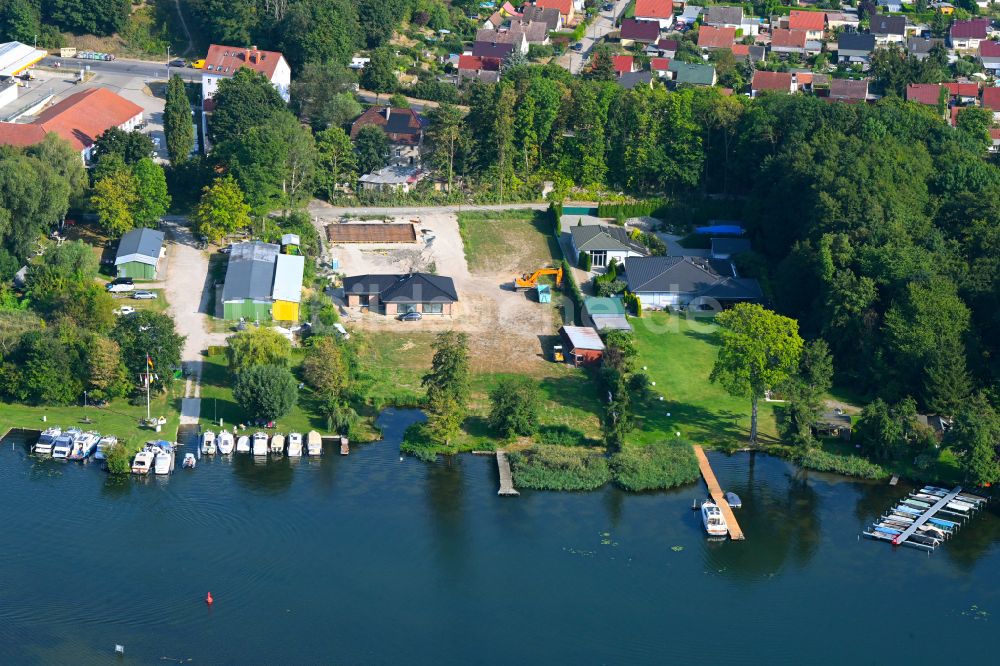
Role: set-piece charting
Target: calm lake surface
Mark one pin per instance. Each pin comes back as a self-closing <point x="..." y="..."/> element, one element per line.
<point x="367" y="559"/>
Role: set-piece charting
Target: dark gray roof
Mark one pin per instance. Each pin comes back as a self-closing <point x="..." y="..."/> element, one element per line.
<point x="921" y="44"/>
<point x="719" y="15"/>
<point x="140" y="244"/>
<point x="888" y="25"/>
<point x="548" y="15"/>
<point x="602" y="237"/>
<point x="492" y="50"/>
<point x="689" y="275"/>
<point x="410" y="288"/>
<point x="852" y="41"/>
<point x="630" y="80"/>
<point x="250" y="273"/>
<point x="730" y="246"/>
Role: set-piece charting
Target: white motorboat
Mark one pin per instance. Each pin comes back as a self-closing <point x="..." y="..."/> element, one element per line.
<point x="84" y="445"/>
<point x="63" y="445"/>
<point x="208" y="443"/>
<point x="190" y="461"/>
<point x="243" y="444"/>
<point x="163" y="461"/>
<point x="143" y="462"/>
<point x="102" y="447"/>
<point x="314" y="443"/>
<point x="277" y="444"/>
<point x="225" y="443"/>
<point x="260" y="443"/>
<point x="46" y="440"/>
<point x="714" y="521"/>
<point x="294" y="444"/>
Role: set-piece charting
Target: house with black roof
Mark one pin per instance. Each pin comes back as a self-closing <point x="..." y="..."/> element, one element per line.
<point x="688" y="282"/>
<point x="392" y="294"/>
<point x="888" y="29"/>
<point x="605" y="243"/>
<point x="855" y="47"/>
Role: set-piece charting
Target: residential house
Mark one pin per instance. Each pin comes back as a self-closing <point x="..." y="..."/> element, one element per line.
<point x="641" y="32"/>
<point x="641" y="79"/>
<point x="80" y="119"/>
<point x="772" y="81"/>
<point x="139" y="253"/>
<point x="964" y="93"/>
<point x="550" y="16"/>
<point x="994" y="140"/>
<point x="486" y="70"/>
<point x="399" y="294"/>
<point x="966" y="35"/>
<point x="605" y="244"/>
<point x="931" y="94"/>
<point x="711" y="37"/>
<point x="659" y="66"/>
<point x="688" y="282"/>
<point x="496" y="21"/>
<point x="690" y="15"/>
<point x="666" y="48"/>
<point x="403" y="127"/>
<point x="516" y="38"/>
<point x="497" y="50"/>
<point x="605" y="314"/>
<point x="855" y="47"/>
<point x="788" y="41"/>
<point x="753" y="53"/>
<point x="890" y="6"/>
<point x="812" y="23"/>
<point x="262" y="284"/>
<point x="392" y="178"/>
<point x="991" y="101"/>
<point x="566" y="8"/>
<point x="849" y="90"/>
<point x="920" y="47"/>
<point x="724" y="16"/>
<point x="222" y="62"/>
<point x="692" y="73"/>
<point x="989" y="55"/>
<point x="534" y="32"/>
<point x="727" y="248"/>
<point x="623" y="64"/>
<point x="661" y="11"/>
<point x="843" y="20"/>
<point x="582" y="344"/>
<point x="887" y="29"/>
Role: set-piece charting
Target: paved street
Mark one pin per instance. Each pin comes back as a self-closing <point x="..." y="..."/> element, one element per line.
<point x="597" y="30"/>
<point x="142" y="69"/>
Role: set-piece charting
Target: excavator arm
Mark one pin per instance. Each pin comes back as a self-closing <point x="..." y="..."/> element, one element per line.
<point x="530" y="280"/>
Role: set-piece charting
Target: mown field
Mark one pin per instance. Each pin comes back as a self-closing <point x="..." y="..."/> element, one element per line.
<point x="516" y="241"/>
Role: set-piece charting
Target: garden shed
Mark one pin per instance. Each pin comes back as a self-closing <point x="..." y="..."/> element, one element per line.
<point x="583" y="345"/>
<point x="139" y="253"/>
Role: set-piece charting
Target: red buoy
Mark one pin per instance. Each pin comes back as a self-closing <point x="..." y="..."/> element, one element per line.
<point x="208" y="599"/>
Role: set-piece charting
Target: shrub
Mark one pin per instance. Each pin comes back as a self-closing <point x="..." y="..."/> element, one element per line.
<point x="266" y="391"/>
<point x="656" y="467"/>
<point x="417" y="442"/>
<point x="560" y="435"/>
<point x="559" y="468"/>
<point x="848" y="465"/>
<point x="514" y="407"/>
<point x="612" y="288"/>
<point x="651" y="208"/>
<point x="574" y="291"/>
<point x="584" y="261"/>
<point x="119" y="458"/>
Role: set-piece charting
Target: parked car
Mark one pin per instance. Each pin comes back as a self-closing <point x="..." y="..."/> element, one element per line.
<point x="608" y="6"/>
<point x="577" y="47"/>
<point x="144" y="295"/>
<point x="198" y="64"/>
<point x="122" y="280"/>
<point x="178" y="62"/>
<point x="125" y="310"/>
<point x="410" y="316"/>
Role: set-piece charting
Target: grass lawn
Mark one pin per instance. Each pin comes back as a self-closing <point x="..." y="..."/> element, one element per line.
<point x="517" y="241"/>
<point x="680" y="355"/>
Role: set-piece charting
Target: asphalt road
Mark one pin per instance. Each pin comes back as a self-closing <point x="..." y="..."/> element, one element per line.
<point x="602" y="25"/>
<point x="121" y="67"/>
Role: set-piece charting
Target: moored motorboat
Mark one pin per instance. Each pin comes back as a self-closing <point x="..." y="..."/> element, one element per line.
<point x="259" y="443"/>
<point x="243" y="444"/>
<point x="733" y="500"/>
<point x="314" y="443"/>
<point x="345" y="446"/>
<point x="63" y="444"/>
<point x="102" y="446"/>
<point x="277" y="444"/>
<point x="163" y="461"/>
<point x="190" y="461"/>
<point x="713" y="520"/>
<point x="208" y="443"/>
<point x="143" y="462"/>
<point x="294" y="444"/>
<point x="84" y="445"/>
<point x="225" y="443"/>
<point x="45" y="440"/>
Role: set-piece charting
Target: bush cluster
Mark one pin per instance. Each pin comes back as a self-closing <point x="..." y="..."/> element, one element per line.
<point x="559" y="468"/>
<point x="847" y="465"/>
<point x="655" y="467"/>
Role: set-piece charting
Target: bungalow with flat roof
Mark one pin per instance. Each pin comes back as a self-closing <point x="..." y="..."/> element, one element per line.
<point x="605" y="243"/>
<point x="392" y="294"/>
<point x="688" y="282"/>
<point x="139" y="253"/>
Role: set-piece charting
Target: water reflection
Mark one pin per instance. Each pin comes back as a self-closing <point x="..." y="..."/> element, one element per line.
<point x="260" y="475"/>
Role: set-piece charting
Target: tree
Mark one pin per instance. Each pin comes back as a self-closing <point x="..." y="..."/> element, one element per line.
<point x="114" y="199"/>
<point x="96" y="17"/>
<point x="974" y="434"/>
<point x="33" y="196"/>
<point x="947" y="384"/>
<point x="257" y="346"/>
<point x="178" y="127"/>
<point x="336" y="161"/>
<point x="377" y="19"/>
<point x="514" y="407"/>
<point x="444" y="137"/>
<point x="19" y="20"/>
<point x="322" y="96"/>
<point x="129" y="146"/>
<point x="46" y="369"/>
<point x="884" y="430"/>
<point x="317" y="31"/>
<point x="324" y="368"/>
<point x="64" y="160"/>
<point x="760" y="351"/>
<point x="107" y="377"/>
<point x="806" y="389"/>
<point x="222" y="210"/>
<point x="152" y="199"/>
<point x="266" y="391"/>
<point x="602" y="67"/>
<point x="379" y="74"/>
<point x="371" y="149"/>
<point x="244" y="101"/>
<point x="149" y="343"/>
<point x="447" y="385"/>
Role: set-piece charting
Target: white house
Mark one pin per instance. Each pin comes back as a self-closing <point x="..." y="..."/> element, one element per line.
<point x="604" y="243"/>
<point x="688" y="282"/>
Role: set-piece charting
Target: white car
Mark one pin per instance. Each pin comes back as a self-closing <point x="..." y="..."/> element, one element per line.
<point x="125" y="310"/>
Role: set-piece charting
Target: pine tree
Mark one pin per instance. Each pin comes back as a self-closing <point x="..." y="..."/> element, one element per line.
<point x="946" y="379"/>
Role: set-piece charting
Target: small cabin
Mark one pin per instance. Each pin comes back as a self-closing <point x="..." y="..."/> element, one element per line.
<point x="583" y="344"/>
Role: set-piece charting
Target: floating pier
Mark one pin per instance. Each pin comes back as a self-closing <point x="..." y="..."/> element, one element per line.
<point x="926" y="518"/>
<point x="715" y="491"/>
<point x="506" y="480"/>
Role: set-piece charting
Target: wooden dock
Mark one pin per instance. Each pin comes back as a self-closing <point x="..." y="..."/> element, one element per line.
<point x="715" y="491"/>
<point x="506" y="480"/>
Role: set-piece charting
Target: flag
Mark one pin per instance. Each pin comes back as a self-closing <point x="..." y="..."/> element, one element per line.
<point x="149" y="362"/>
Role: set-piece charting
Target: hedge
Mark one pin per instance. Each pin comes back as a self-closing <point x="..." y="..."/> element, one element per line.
<point x="848" y="465"/>
<point x="651" y="208"/>
<point x="574" y="292"/>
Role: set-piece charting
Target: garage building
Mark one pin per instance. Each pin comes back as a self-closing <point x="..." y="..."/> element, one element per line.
<point x="139" y="253"/>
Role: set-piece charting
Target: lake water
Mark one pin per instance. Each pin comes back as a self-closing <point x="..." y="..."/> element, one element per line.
<point x="369" y="559"/>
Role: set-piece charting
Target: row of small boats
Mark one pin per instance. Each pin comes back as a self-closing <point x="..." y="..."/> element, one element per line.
<point x="156" y="457"/>
<point x="73" y="444"/>
<point x="934" y="530"/>
<point x="260" y="444"/>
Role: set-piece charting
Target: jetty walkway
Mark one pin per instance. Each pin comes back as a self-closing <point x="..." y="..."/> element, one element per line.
<point x="506" y="480"/>
<point x="715" y="491"/>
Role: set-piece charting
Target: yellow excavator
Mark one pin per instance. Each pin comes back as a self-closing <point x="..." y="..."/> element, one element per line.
<point x="530" y="280"/>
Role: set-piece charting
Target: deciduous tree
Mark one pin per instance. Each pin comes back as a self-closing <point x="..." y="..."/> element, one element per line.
<point x="266" y="391"/>
<point x="514" y="407"/>
<point x="114" y="199"/>
<point x="257" y="346"/>
<point x="222" y="210"/>
<point x="152" y="199"/>
<point x="371" y="149"/>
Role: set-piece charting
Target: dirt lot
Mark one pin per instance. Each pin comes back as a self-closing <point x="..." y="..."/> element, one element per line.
<point x="509" y="330"/>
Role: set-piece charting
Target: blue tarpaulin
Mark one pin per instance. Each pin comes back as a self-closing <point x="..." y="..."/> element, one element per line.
<point x="721" y="230"/>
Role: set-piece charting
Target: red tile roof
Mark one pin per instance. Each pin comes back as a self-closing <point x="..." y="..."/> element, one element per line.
<point x="772" y="81"/>
<point x="963" y="89"/>
<point x="476" y="63"/>
<point x="710" y="37"/>
<point x="925" y="93"/>
<point x="788" y="38"/>
<point x="800" y="20"/>
<point x="659" y="64"/>
<point x="995" y="135"/>
<point x="660" y="9"/>
<point x="641" y="31"/>
<point x="974" y="29"/>
<point x="991" y="98"/>
<point x="226" y="60"/>
<point x="741" y="50"/>
<point x="989" y="49"/>
<point x="565" y="7"/>
<point x="623" y="64"/>
<point x="80" y="119"/>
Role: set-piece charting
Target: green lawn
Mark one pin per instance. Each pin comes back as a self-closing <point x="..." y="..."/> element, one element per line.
<point x="515" y="241"/>
<point x="679" y="355"/>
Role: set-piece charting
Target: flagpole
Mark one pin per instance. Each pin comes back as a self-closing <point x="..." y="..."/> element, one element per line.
<point x="148" y="361"/>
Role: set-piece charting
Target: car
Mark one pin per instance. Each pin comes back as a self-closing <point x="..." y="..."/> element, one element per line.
<point x="144" y="295"/>
<point x="226" y="250"/>
<point x="577" y="47"/>
<point x="410" y="316"/>
<point x="120" y="288"/>
<point x="608" y="6"/>
<point x="198" y="64"/>
<point x="122" y="280"/>
<point x="125" y="310"/>
<point x="178" y="62"/>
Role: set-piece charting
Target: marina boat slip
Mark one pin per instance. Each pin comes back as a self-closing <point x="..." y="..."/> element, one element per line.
<point x="278" y="444"/>
<point x="926" y="518"/>
<point x="208" y="443"/>
<point x="189" y="461"/>
<point x="143" y="462"/>
<point x="314" y="443"/>
<point x="46" y="439"/>
<point x="164" y="458"/>
<point x="225" y="443"/>
<point x="259" y="444"/>
<point x="712" y="519"/>
<point x="84" y="446"/>
<point x="294" y="444"/>
<point x="103" y="446"/>
<point x="243" y="444"/>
